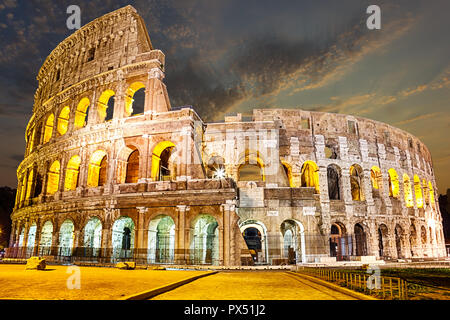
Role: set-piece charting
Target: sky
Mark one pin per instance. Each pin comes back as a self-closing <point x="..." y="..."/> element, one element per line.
<point x="224" y="57"/>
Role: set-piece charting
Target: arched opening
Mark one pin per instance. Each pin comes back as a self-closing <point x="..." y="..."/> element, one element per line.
<point x="31" y="241"/>
<point x="394" y="187"/>
<point x="45" y="243"/>
<point x="105" y="106"/>
<point x="398" y="232"/>
<point x="431" y="190"/>
<point x="81" y="113"/>
<point x="72" y="173"/>
<point x="92" y="237"/>
<point x="250" y="172"/>
<point x="132" y="174"/>
<point x="97" y="171"/>
<point x="377" y="181"/>
<point x="63" y="121"/>
<point x="425" y="191"/>
<point x="413" y="241"/>
<point x="423" y="236"/>
<point x="160" y="161"/>
<point x="216" y="168"/>
<point x="383" y="241"/>
<point x="135" y="99"/>
<point x="161" y="240"/>
<point x="53" y="178"/>
<point x="252" y="237"/>
<point x="123" y="238"/>
<point x="356" y="177"/>
<point x="360" y="241"/>
<point x="21" y="237"/>
<point x="418" y="192"/>
<point x="38" y="186"/>
<point x="66" y="236"/>
<point x="287" y="174"/>
<point x="339" y="242"/>
<point x="293" y="241"/>
<point x="30" y="182"/>
<point x="334" y="182"/>
<point x="407" y="191"/>
<point x="310" y="176"/>
<point x="48" y="131"/>
<point x="36" y="139"/>
<point x="205" y="240"/>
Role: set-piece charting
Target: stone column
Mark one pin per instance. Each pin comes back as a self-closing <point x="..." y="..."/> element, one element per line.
<point x="181" y="230"/>
<point x="225" y="209"/>
<point x="140" y="245"/>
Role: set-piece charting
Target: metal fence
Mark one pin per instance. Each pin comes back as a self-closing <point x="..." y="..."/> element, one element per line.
<point x="387" y="288"/>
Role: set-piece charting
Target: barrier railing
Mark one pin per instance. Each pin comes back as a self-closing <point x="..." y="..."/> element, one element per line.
<point x="388" y="288"/>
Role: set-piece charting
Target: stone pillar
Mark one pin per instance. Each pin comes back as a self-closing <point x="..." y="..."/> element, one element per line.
<point x="181" y="230"/>
<point x="226" y="212"/>
<point x="106" y="244"/>
<point x="37" y="239"/>
<point x="140" y="245"/>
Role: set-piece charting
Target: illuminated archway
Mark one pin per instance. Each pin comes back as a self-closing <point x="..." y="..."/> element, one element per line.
<point x="310" y="175"/>
<point x="204" y="240"/>
<point x="334" y="182"/>
<point x="103" y="104"/>
<point x="72" y="173"/>
<point x="293" y="241"/>
<point x="97" y="169"/>
<point x="63" y="121"/>
<point x="425" y="191"/>
<point x="123" y="238"/>
<point x="161" y="240"/>
<point x="287" y="170"/>
<point x="160" y="160"/>
<point x="431" y="190"/>
<point x="376" y="181"/>
<point x="31" y="241"/>
<point x="66" y="236"/>
<point x="30" y="181"/>
<point x="45" y="243"/>
<point x="92" y="237"/>
<point x="48" y="131"/>
<point x="132" y="173"/>
<point x="394" y="186"/>
<point x="130" y="95"/>
<point x="418" y="192"/>
<point x="407" y="191"/>
<point x="81" y="113"/>
<point x="53" y="178"/>
<point x="356" y="176"/>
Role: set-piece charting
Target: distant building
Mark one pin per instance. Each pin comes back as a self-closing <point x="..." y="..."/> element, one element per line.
<point x="111" y="172"/>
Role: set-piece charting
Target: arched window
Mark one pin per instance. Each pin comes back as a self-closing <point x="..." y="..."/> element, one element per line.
<point x="377" y="181"/>
<point x="360" y="241"/>
<point x="431" y="190"/>
<point x="425" y="191"/>
<point x="72" y="173"/>
<point x="38" y="186"/>
<point x="97" y="169"/>
<point x="334" y="182"/>
<point x="49" y="128"/>
<point x="81" y="114"/>
<point x="418" y="192"/>
<point x="135" y="99"/>
<point x="394" y="187"/>
<point x="356" y="183"/>
<point x="287" y="174"/>
<point x="36" y="136"/>
<point x="408" y="191"/>
<point x="63" y="121"/>
<point x="310" y="176"/>
<point x="132" y="175"/>
<point x="53" y="178"/>
<point x="160" y="161"/>
<point x="30" y="184"/>
<point x="105" y="105"/>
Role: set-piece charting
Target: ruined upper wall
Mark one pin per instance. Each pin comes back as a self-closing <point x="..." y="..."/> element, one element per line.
<point x="93" y="50"/>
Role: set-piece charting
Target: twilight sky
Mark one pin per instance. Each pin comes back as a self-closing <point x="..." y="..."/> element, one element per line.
<point x="232" y="56"/>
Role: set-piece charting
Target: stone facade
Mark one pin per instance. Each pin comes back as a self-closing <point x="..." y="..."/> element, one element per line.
<point x="162" y="186"/>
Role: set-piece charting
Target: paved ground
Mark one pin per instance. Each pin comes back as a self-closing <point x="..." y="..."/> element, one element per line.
<point x="252" y="285"/>
<point x="96" y="283"/>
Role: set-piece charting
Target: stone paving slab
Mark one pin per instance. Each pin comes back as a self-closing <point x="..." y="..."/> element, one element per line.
<point x="96" y="283"/>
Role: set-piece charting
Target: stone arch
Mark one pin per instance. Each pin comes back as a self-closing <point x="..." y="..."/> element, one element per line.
<point x="293" y="234"/>
<point x="48" y="131"/>
<point x="53" y="178"/>
<point x="257" y="242"/>
<point x="81" y="113"/>
<point x="360" y="235"/>
<point x="356" y="182"/>
<point x="130" y="107"/>
<point x="105" y="108"/>
<point x="394" y="186"/>
<point x="339" y="241"/>
<point x="310" y="175"/>
<point x="66" y="237"/>
<point x="383" y="240"/>
<point x="407" y="191"/>
<point x="204" y="240"/>
<point x="334" y="182"/>
<point x="431" y="191"/>
<point x="72" y="173"/>
<point x="287" y="173"/>
<point x="161" y="239"/>
<point x="160" y="161"/>
<point x="97" y="171"/>
<point x="123" y="234"/>
<point x="413" y="240"/>
<point x="399" y="245"/>
<point x="46" y="238"/>
<point x="376" y="181"/>
<point x="92" y="241"/>
<point x="63" y="120"/>
<point x="251" y="167"/>
<point x="31" y="239"/>
<point x="418" y="192"/>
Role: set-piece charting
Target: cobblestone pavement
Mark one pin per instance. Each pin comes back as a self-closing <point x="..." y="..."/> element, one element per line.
<point x="252" y="285"/>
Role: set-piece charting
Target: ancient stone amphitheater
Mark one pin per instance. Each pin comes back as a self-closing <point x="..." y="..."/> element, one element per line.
<point x="112" y="172"/>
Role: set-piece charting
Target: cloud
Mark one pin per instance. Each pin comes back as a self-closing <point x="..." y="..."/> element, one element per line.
<point x="419" y="118"/>
<point x="418" y="89"/>
<point x="342" y="104"/>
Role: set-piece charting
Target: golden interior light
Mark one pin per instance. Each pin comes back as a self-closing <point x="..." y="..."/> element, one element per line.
<point x="81" y="113"/>
<point x="102" y="105"/>
<point x="394" y="186"/>
<point x="418" y="192"/>
<point x="63" y="120"/>
<point x="130" y="95"/>
<point x="408" y="191"/>
<point x="310" y="175"/>
<point x="49" y="128"/>
<point x="72" y="172"/>
<point x="94" y="168"/>
<point x="53" y="178"/>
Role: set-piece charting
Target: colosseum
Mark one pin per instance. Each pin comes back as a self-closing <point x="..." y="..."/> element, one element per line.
<point x="113" y="172"/>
